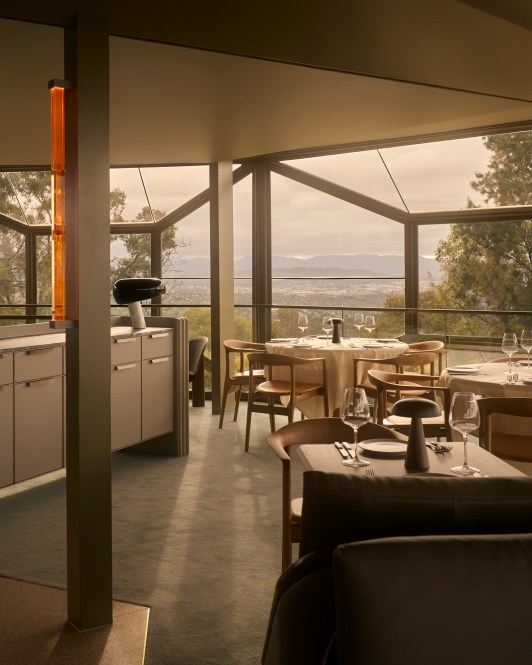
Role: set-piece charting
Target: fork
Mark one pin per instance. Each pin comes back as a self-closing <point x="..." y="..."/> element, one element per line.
<point x="439" y="449"/>
<point x="370" y="472"/>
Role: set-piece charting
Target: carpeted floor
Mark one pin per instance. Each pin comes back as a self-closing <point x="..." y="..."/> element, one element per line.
<point x="197" y="539"/>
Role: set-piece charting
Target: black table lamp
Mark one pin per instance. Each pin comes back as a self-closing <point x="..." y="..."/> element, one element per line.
<point x="131" y="291"/>
<point x="337" y="330"/>
<point x="416" y="408"/>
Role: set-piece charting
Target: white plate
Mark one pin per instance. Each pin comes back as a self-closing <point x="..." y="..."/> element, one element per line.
<point x="302" y="346"/>
<point x="372" y="345"/>
<point x="384" y="448"/>
<point x="282" y="339"/>
<point x="462" y="370"/>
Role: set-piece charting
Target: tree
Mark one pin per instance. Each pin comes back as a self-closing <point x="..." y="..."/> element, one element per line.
<point x="26" y="196"/>
<point x="488" y="265"/>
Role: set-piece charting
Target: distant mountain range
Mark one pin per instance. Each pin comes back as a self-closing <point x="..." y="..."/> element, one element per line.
<point x="330" y="265"/>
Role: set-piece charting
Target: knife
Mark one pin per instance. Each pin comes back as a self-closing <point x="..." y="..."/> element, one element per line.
<point x="341" y="450"/>
<point x="348" y="449"/>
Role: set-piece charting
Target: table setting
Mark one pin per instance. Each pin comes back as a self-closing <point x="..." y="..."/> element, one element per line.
<point x="339" y="357"/>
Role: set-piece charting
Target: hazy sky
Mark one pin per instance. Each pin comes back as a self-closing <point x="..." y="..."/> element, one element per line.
<point x="305" y="222"/>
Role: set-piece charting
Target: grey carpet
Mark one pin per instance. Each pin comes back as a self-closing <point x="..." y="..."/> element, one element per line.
<point x="197" y="539"/>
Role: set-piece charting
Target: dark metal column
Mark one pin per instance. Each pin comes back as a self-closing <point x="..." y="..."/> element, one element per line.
<point x="88" y="356"/>
<point x="262" y="253"/>
<point x="411" y="276"/>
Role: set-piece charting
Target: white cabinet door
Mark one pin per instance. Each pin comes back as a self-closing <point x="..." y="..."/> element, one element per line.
<point x="125" y="404"/>
<point x="157" y="396"/>
<point x="38" y="427"/>
<point x="6" y="436"/>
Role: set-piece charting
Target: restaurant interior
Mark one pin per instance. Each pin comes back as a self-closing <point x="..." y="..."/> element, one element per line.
<point x="184" y="545"/>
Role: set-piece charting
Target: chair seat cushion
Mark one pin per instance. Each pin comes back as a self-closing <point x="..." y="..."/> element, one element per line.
<point x="283" y="387"/>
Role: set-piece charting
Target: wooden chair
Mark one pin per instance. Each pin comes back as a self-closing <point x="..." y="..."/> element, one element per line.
<point x="316" y="430"/>
<point x="416" y="362"/>
<point x="236" y="352"/>
<point x="435" y="346"/>
<point x="196" y="369"/>
<point x="394" y="386"/>
<point x="273" y="389"/>
<point x="516" y="446"/>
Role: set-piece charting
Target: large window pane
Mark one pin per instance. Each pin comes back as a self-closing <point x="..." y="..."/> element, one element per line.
<point x="329" y="253"/>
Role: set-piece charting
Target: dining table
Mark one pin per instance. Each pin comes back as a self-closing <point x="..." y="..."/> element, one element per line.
<point x="340" y="367"/>
<point x="492" y="380"/>
<point x="326" y="457"/>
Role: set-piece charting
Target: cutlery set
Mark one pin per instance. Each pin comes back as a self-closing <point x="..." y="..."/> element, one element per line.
<point x="344" y="449"/>
<point x="439" y="449"/>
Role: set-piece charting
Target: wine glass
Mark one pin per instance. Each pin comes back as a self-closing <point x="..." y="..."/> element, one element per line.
<point x="302" y="323"/>
<point x="526" y="344"/>
<point x="369" y="324"/>
<point x="465" y="418"/>
<point x="509" y="346"/>
<point x="355" y="412"/>
<point x="327" y="326"/>
<point x="359" y="322"/>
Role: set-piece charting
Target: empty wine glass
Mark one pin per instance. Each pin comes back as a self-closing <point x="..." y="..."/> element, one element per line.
<point x="302" y="323"/>
<point x="369" y="324"/>
<point x="327" y="326"/>
<point x="526" y="344"/>
<point x="355" y="412"/>
<point x="509" y="346"/>
<point x="465" y="418"/>
<point x="359" y="322"/>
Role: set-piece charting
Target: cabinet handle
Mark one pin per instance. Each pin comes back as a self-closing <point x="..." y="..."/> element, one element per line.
<point x="38" y="382"/>
<point x="31" y="352"/>
<point x="154" y="361"/>
<point x="157" y="335"/>
<point x="119" y="368"/>
<point x="124" y="340"/>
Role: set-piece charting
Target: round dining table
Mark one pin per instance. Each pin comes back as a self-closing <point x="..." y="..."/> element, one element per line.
<point x="340" y="367"/>
<point x="491" y="380"/>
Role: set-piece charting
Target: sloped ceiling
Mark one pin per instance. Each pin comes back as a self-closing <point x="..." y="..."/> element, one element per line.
<point x="187" y="90"/>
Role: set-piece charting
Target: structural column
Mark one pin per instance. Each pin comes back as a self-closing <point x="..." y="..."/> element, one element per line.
<point x="262" y="253"/>
<point x="222" y="271"/>
<point x="88" y="426"/>
<point x="411" y="276"/>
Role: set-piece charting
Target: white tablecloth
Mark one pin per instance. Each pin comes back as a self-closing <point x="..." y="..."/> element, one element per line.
<point x="339" y="359"/>
<point x="491" y="381"/>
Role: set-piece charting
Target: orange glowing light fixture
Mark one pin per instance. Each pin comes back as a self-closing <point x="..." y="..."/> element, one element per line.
<point x="57" y="117"/>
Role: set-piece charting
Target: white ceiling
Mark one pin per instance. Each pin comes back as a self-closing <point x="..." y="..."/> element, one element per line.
<point x="174" y="104"/>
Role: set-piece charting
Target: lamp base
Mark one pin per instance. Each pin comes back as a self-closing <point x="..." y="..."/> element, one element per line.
<point x="137" y="315"/>
<point x="417" y="458"/>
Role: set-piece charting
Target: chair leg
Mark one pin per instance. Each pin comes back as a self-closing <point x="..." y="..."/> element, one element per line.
<point x="271" y="414"/>
<point x="222" y="408"/>
<point x="248" y="422"/>
<point x="237" y="402"/>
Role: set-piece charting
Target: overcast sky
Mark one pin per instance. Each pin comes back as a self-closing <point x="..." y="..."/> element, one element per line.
<point x="305" y="222"/>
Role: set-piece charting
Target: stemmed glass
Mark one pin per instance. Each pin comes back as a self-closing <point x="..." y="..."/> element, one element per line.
<point x="359" y="322"/>
<point x="526" y="344"/>
<point x="509" y="346"/>
<point x="302" y="323"/>
<point x="465" y="418"/>
<point x="355" y="412"/>
<point x="327" y="326"/>
<point x="369" y="324"/>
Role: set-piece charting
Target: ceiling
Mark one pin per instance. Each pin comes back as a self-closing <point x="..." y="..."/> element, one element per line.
<point x="214" y="82"/>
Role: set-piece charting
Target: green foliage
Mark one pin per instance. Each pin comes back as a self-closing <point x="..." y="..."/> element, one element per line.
<point x="488" y="266"/>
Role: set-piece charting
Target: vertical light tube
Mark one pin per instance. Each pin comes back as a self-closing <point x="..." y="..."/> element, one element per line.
<point x="57" y="116"/>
